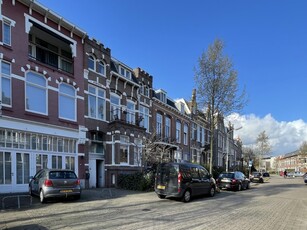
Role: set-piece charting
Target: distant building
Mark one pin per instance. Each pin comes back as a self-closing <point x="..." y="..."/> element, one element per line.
<point x="293" y="161"/>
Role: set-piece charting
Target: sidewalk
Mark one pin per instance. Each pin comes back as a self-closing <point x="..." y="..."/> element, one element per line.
<point x="24" y="200"/>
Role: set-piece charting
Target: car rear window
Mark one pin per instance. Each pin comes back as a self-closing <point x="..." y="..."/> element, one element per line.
<point x="165" y="171"/>
<point x="227" y="175"/>
<point x="62" y="175"/>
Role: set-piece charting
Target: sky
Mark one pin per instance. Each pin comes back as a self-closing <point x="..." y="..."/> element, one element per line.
<point x="265" y="40"/>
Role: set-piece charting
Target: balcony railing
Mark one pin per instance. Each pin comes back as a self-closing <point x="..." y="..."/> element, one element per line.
<point x="125" y="116"/>
<point x="51" y="58"/>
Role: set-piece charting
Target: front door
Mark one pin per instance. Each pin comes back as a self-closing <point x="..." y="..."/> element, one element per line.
<point x="14" y="171"/>
<point x="100" y="173"/>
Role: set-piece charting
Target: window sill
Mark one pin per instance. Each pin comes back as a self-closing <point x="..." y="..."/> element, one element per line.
<point x="68" y="121"/>
<point x="36" y="115"/>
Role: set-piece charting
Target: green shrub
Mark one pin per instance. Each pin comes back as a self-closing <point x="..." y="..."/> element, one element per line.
<point x="136" y="181"/>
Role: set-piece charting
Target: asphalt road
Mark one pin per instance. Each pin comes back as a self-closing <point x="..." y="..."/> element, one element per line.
<point x="277" y="204"/>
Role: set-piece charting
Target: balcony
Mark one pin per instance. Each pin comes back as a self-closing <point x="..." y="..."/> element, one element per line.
<point x="125" y="116"/>
<point x="50" y="49"/>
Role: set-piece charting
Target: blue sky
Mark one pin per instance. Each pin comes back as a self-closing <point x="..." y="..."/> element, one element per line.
<point x="266" y="41"/>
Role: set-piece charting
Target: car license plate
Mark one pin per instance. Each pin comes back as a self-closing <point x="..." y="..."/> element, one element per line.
<point x="66" y="191"/>
<point x="161" y="187"/>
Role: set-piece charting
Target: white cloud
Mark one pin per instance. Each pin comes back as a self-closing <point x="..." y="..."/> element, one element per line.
<point x="284" y="136"/>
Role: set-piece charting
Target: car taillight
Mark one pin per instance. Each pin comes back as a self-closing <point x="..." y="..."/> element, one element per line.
<point x="179" y="181"/>
<point x="179" y="178"/>
<point x="233" y="180"/>
<point x="48" y="183"/>
<point x="78" y="182"/>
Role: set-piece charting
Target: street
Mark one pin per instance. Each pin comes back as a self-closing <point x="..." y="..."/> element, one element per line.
<point x="277" y="204"/>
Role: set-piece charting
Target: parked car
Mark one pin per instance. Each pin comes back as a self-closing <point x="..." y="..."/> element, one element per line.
<point x="256" y="177"/>
<point x="183" y="181"/>
<point x="295" y="174"/>
<point x="233" y="180"/>
<point x="52" y="183"/>
<point x="305" y="177"/>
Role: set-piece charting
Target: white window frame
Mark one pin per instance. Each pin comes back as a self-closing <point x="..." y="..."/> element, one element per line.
<point x="70" y="97"/>
<point x="167" y="127"/>
<point x="124" y="145"/>
<point x="94" y="62"/>
<point x="101" y="65"/>
<point x="185" y="134"/>
<point x="124" y="72"/>
<point x="9" y="78"/>
<point x="144" y="112"/>
<point x="130" y="116"/>
<point x="178" y="131"/>
<point x="138" y="146"/>
<point x="115" y="109"/>
<point x="98" y="95"/>
<point x="10" y="23"/>
<point x="159" y="124"/>
<point x="44" y="88"/>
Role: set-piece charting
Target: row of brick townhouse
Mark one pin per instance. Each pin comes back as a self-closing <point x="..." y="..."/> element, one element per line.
<point x="67" y="103"/>
<point x="293" y="161"/>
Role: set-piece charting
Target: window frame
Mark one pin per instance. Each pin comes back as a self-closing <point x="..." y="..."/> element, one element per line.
<point x="124" y="146"/>
<point x="178" y="131"/>
<point x="96" y="97"/>
<point x="10" y="23"/>
<point x="37" y="86"/>
<point x="130" y="115"/>
<point x="167" y="127"/>
<point x="185" y="133"/>
<point x="100" y="64"/>
<point x="9" y="78"/>
<point x="144" y="112"/>
<point x="72" y="97"/>
<point x="159" y="124"/>
<point x="115" y="107"/>
<point x="94" y="62"/>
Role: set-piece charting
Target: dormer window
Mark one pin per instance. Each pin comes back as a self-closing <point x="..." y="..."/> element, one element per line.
<point x="181" y="107"/>
<point x="161" y="95"/>
<point x="125" y="73"/>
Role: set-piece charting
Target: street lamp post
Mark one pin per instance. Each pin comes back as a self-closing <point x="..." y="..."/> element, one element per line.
<point x="227" y="145"/>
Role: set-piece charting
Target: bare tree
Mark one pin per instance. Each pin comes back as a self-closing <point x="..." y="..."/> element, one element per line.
<point x="303" y="148"/>
<point x="217" y="86"/>
<point x="155" y="150"/>
<point x="263" y="146"/>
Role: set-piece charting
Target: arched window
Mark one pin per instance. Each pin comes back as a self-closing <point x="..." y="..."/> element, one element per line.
<point x="91" y="62"/>
<point x="36" y="93"/>
<point x="67" y="102"/>
<point x="101" y="68"/>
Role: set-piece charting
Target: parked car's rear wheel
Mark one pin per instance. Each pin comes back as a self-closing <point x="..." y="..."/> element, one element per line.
<point x="261" y="180"/>
<point x="212" y="191"/>
<point x="161" y="196"/>
<point x="186" y="196"/>
<point x="42" y="197"/>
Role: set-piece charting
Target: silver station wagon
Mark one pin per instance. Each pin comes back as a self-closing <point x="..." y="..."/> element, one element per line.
<point x="55" y="183"/>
